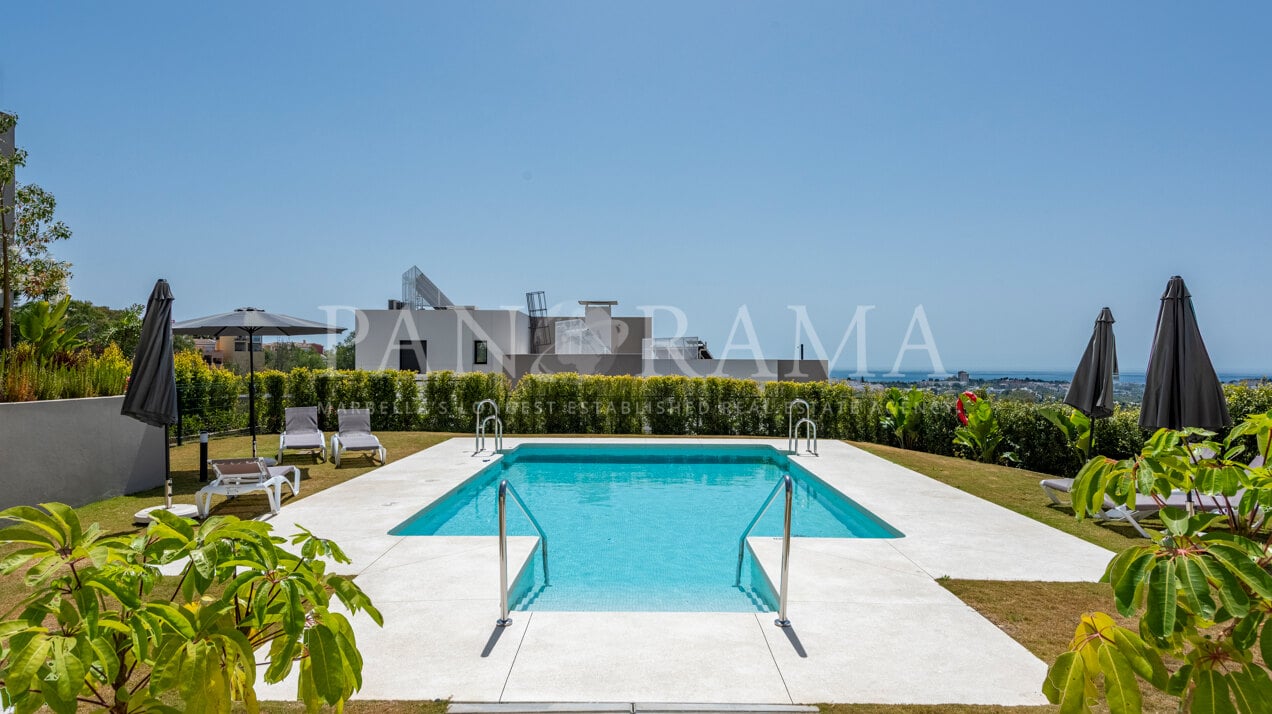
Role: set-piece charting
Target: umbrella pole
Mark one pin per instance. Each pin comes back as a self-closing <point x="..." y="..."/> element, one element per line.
<point x="251" y="390"/>
<point x="167" y="471"/>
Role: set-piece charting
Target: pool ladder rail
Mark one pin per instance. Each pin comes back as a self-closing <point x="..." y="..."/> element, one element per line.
<point x="793" y="427"/>
<point x="479" y="432"/>
<point x="789" y="486"/>
<point x="505" y="490"/>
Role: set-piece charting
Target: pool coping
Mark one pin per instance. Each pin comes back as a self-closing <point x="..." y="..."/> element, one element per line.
<point x="842" y="590"/>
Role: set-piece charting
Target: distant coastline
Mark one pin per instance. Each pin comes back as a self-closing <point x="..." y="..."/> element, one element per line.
<point x="1033" y="375"/>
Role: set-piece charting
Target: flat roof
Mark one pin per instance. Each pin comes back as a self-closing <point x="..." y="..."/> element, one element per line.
<point x="598" y="302"/>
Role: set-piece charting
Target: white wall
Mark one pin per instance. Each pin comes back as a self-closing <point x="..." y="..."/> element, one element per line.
<point x="449" y="334"/>
<point x="75" y="451"/>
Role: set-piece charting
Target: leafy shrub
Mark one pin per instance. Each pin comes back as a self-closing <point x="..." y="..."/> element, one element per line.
<point x="109" y="371"/>
<point x="667" y="406"/>
<point x="25" y="377"/>
<point x="1202" y="588"/>
<point x="408" y="406"/>
<point x="901" y="415"/>
<point x="271" y="399"/>
<point x="300" y="388"/>
<point x="439" y="401"/>
<point x="102" y="627"/>
<point x="593" y="404"/>
<point x="981" y="435"/>
<point x="1033" y="439"/>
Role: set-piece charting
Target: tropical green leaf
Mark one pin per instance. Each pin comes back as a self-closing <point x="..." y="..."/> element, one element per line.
<point x="1195" y="588"/>
<point x="1243" y="566"/>
<point x="1265" y="642"/>
<point x="306" y="691"/>
<point x="328" y="664"/>
<point x="1234" y="597"/>
<point x="106" y="657"/>
<point x="282" y="653"/>
<point x="353" y="598"/>
<point x="26" y="662"/>
<point x="1175" y="520"/>
<point x="1159" y="614"/>
<point x="1144" y="660"/>
<point x="1178" y="682"/>
<point x="66" y="671"/>
<point x="1251" y="689"/>
<point x="1121" y="689"/>
<point x="34" y="536"/>
<point x="1127" y="573"/>
<point x="1066" y="684"/>
<point x="120" y="589"/>
<point x="1210" y="693"/>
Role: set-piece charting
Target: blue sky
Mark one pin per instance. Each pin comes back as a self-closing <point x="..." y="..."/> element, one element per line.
<point x="1012" y="167"/>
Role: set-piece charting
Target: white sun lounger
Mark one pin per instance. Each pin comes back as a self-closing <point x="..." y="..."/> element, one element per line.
<point x="235" y="477"/>
<point x="1144" y="505"/>
<point x="301" y="432"/>
<point x="355" y="435"/>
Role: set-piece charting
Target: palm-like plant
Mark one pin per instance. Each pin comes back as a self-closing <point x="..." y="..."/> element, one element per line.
<point x="44" y="326"/>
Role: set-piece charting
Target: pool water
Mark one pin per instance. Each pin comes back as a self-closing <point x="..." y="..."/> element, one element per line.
<point x="644" y="528"/>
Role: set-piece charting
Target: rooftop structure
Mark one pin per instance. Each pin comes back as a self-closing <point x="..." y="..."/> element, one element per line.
<point x="425" y="331"/>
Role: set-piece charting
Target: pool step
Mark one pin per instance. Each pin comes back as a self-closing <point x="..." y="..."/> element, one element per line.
<point x="621" y="708"/>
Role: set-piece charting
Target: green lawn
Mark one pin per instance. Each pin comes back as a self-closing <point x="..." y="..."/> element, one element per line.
<point x="1039" y="615"/>
<point x="1014" y="489"/>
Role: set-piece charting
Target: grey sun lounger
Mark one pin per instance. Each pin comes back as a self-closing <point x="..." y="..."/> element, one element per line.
<point x="235" y="477"/>
<point x="355" y="435"/>
<point x="301" y="432"/>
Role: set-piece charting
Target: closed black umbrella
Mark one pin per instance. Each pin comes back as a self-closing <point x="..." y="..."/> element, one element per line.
<point x="251" y="322"/>
<point x="1181" y="388"/>
<point x="1091" y="390"/>
<point x="152" y="386"/>
<point x="151" y="397"/>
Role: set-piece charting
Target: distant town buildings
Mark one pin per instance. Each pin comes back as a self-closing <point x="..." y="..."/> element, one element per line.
<point x="230" y="351"/>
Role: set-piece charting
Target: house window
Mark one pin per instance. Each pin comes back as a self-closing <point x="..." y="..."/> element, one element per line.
<point x="413" y="355"/>
<point x="479" y="352"/>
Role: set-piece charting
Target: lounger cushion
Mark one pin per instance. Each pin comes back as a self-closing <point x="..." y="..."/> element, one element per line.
<point x="305" y="440"/>
<point x="359" y="442"/>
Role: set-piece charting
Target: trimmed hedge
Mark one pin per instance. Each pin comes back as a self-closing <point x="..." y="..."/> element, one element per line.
<point x="665" y="405"/>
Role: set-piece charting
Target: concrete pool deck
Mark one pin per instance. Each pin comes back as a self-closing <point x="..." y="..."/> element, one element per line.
<point x="870" y="623"/>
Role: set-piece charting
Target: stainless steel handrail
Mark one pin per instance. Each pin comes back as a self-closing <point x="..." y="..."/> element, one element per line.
<point x="790" y="417"/>
<point x="810" y="432"/>
<point x="789" y="485"/>
<point x="481" y="434"/>
<point x="506" y="488"/>
<point x="477" y="428"/>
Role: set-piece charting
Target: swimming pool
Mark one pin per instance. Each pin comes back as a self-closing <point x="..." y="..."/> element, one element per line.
<point x="644" y="528"/>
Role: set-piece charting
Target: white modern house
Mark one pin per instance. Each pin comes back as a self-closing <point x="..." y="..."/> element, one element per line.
<point x="426" y="332"/>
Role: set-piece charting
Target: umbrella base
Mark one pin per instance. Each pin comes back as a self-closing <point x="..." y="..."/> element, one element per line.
<point x="182" y="510"/>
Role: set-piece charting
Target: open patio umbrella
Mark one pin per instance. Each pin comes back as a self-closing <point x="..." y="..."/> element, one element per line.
<point x="1091" y="390"/>
<point x="251" y="322"/>
<point x="1181" y="388"/>
<point x="151" y="397"/>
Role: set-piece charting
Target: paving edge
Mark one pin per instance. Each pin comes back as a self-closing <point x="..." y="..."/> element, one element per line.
<point x="621" y="708"/>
